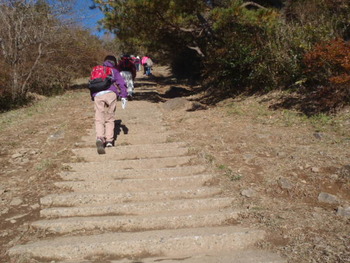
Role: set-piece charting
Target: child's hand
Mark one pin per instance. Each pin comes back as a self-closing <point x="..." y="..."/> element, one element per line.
<point x="124" y="101"/>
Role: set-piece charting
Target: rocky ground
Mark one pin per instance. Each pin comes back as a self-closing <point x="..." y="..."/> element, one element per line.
<point x="289" y="174"/>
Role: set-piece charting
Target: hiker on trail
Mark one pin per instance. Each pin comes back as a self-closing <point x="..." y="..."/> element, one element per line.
<point x="128" y="71"/>
<point x="105" y="106"/>
<point x="149" y="64"/>
<point x="137" y="62"/>
<point x="144" y="64"/>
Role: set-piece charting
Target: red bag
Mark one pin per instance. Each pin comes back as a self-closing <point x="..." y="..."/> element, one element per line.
<point x="100" y="79"/>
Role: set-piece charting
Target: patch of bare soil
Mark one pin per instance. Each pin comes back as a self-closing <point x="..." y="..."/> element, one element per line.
<point x="35" y="143"/>
<point x="290" y="174"/>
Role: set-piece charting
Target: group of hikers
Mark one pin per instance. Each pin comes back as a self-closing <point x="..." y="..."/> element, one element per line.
<point x="146" y="62"/>
<point x="113" y="79"/>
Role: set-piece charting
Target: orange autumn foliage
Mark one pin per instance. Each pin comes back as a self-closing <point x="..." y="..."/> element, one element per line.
<point x="329" y="61"/>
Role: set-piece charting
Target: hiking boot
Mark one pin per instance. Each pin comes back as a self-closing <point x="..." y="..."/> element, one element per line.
<point x="100" y="146"/>
<point x="109" y="144"/>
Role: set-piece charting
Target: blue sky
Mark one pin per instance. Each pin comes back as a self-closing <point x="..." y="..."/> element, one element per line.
<point x="88" y="17"/>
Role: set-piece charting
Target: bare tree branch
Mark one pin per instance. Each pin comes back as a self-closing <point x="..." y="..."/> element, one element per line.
<point x="30" y="73"/>
<point x="205" y="24"/>
<point x="253" y="4"/>
<point x="192" y="31"/>
<point x="2" y="47"/>
<point x="197" y="49"/>
<point x="27" y="25"/>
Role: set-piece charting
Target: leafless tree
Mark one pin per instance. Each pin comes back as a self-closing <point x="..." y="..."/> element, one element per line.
<point x="27" y="28"/>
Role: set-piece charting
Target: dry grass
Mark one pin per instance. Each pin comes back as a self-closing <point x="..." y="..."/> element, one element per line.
<point x="253" y="147"/>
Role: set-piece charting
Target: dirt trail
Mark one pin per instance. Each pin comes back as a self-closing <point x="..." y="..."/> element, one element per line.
<point x="185" y="183"/>
<point x="150" y="199"/>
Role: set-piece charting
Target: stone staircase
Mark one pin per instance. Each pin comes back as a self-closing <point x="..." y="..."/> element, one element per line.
<point x="146" y="200"/>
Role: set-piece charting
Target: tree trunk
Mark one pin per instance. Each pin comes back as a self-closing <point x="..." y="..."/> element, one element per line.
<point x="15" y="81"/>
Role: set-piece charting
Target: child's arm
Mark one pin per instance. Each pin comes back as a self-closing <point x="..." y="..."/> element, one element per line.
<point x="119" y="80"/>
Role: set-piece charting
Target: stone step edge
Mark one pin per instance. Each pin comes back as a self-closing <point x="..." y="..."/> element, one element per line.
<point x="157" y="146"/>
<point x="111" y="155"/>
<point x="136" y="160"/>
<point x="145" y="134"/>
<point x="123" y="165"/>
<point x="167" y="182"/>
<point x="182" y="194"/>
<point x="139" y="173"/>
<point x="184" y="242"/>
<point x="246" y="256"/>
<point x="140" y="208"/>
<point x="171" y="220"/>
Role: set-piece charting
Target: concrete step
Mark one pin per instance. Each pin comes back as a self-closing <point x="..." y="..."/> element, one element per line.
<point x="134" y="173"/>
<point x="143" y="147"/>
<point x="177" y="242"/>
<point x="130" y="139"/>
<point x="132" y="121"/>
<point x="137" y="223"/>
<point x="114" y="153"/>
<point x="148" y="121"/>
<point x="139" y="128"/>
<point x="139" y="113"/>
<point x="131" y="152"/>
<point x="140" y="208"/>
<point x="135" y="185"/>
<point x="246" y="256"/>
<point x="104" y="198"/>
<point x="111" y="165"/>
<point x="122" y="129"/>
<point x="152" y="90"/>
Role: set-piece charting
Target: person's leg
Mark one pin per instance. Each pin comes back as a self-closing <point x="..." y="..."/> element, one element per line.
<point x="111" y="102"/>
<point x="127" y="78"/>
<point x="99" y="124"/>
<point x="132" y="87"/>
<point x="129" y="83"/>
<point x="100" y="117"/>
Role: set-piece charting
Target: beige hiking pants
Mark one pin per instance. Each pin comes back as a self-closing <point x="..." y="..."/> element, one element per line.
<point x="105" y="106"/>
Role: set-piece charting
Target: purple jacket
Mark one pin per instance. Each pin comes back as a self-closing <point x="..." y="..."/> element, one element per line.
<point x="119" y="86"/>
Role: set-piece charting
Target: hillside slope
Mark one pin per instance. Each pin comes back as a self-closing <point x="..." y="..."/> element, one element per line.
<point x="288" y="176"/>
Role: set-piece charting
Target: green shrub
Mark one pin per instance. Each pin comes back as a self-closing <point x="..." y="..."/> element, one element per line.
<point x="262" y="49"/>
<point x="240" y="61"/>
<point x="7" y="102"/>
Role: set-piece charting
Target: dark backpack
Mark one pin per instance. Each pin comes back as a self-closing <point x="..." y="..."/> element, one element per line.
<point x="100" y="79"/>
<point x="125" y="65"/>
